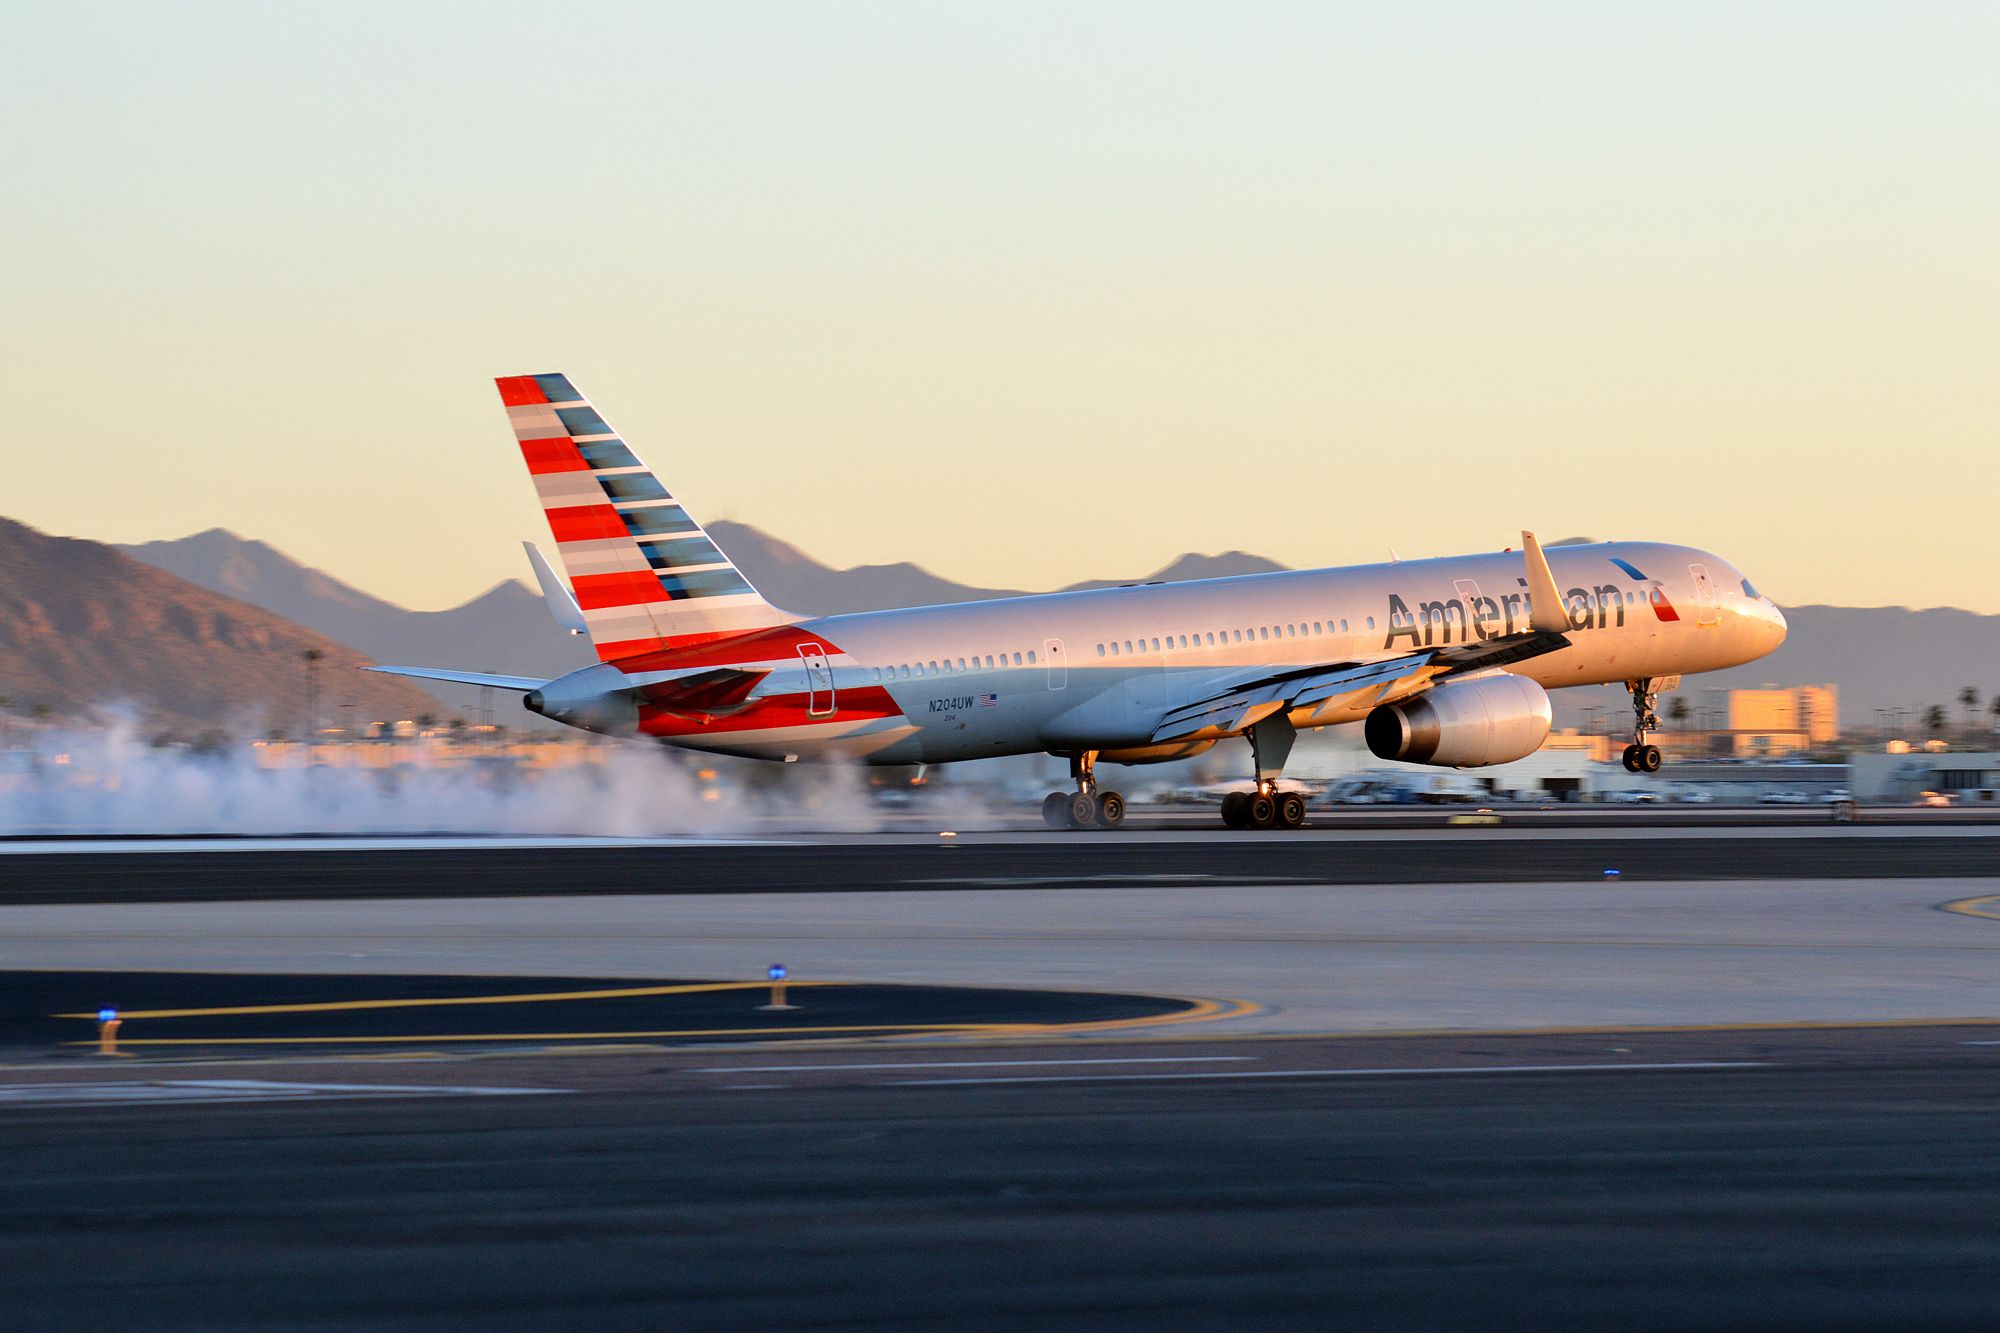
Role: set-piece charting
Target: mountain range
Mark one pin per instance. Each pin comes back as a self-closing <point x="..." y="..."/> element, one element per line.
<point x="84" y="626"/>
<point x="1880" y="657"/>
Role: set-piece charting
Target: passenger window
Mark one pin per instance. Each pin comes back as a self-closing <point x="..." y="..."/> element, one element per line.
<point x="1156" y="645"/>
<point x="1017" y="659"/>
<point x="1371" y="622"/>
<point x="1343" y="627"/>
<point x="1031" y="657"/>
<point x="1100" y="650"/>
<point x="1128" y="645"/>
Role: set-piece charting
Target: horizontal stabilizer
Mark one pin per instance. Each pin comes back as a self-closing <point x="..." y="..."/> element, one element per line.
<point x="522" y="683"/>
<point x="705" y="691"/>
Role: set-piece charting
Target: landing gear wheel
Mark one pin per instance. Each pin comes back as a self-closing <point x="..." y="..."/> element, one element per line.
<point x="1631" y="759"/>
<point x="1262" y="811"/>
<point x="1232" y="810"/>
<point x="1055" y="809"/>
<point x="1292" y="810"/>
<point x="1110" y="809"/>
<point x="1646" y="759"/>
<point x="1082" y="810"/>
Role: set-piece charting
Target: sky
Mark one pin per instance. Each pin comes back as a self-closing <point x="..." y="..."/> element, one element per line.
<point x="1024" y="293"/>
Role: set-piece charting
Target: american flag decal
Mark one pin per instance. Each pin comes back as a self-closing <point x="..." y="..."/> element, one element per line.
<point x="988" y="700"/>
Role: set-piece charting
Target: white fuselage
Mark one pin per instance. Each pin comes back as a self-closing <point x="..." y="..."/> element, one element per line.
<point x="1069" y="672"/>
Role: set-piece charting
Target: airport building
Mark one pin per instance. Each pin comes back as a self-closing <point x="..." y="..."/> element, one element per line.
<point x="1964" y="777"/>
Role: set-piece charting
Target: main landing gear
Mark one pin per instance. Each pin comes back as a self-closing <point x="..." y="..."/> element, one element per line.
<point x="1266" y="806"/>
<point x="1642" y="756"/>
<point x="1086" y="807"/>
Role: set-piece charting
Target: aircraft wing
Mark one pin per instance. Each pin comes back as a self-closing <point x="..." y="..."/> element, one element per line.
<point x="1343" y="691"/>
<point x="1341" y="687"/>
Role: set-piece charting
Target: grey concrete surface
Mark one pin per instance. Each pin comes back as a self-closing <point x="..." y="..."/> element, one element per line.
<point x="1345" y="959"/>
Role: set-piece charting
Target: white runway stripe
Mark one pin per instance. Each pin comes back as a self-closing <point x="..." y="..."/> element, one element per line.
<point x="1338" y="1073"/>
<point x="227" y="1090"/>
<point x="979" y="1064"/>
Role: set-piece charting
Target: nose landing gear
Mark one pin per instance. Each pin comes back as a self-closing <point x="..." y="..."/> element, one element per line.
<point x="1086" y="807"/>
<point x="1642" y="756"/>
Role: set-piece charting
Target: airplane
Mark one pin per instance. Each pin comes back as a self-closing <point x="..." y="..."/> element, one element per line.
<point x="1446" y="662"/>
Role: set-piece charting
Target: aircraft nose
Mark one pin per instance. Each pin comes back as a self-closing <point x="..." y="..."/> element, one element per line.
<point x="1775" y="626"/>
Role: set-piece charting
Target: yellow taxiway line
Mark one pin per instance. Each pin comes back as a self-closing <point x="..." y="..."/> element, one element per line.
<point x="1988" y="907"/>
<point x="540" y="997"/>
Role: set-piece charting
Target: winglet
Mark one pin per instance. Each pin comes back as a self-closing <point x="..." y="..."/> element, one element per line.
<point x="1545" y="603"/>
<point x="562" y="605"/>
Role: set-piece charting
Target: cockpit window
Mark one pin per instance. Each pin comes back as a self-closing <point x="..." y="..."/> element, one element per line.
<point x="1750" y="592"/>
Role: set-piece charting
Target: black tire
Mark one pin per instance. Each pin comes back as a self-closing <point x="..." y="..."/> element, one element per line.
<point x="1262" y="811"/>
<point x="1649" y="759"/>
<point x="1631" y="759"/>
<point x="1082" y="810"/>
<point x="1232" y="810"/>
<point x="1110" y="810"/>
<point x="1292" y="810"/>
<point x="1055" y="809"/>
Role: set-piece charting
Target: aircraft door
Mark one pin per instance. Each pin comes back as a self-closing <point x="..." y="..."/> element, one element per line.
<point x="1058" y="661"/>
<point x="1706" y="610"/>
<point x="819" y="680"/>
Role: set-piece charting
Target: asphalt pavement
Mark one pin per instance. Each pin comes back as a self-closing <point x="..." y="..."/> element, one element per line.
<point x="223" y="871"/>
<point x="1821" y="1179"/>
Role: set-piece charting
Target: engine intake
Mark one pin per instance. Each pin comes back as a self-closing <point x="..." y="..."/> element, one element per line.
<point x="1469" y="723"/>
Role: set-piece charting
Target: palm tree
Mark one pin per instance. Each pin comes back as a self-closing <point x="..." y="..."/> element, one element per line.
<point x="1678" y="709"/>
<point x="1993" y="707"/>
<point x="1934" y="718"/>
<point x="1968" y="699"/>
<point x="311" y="657"/>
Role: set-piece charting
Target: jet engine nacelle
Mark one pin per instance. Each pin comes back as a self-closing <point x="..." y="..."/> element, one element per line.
<point x="1479" y="720"/>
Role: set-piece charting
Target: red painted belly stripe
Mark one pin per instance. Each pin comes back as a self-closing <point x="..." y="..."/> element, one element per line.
<point x="863" y="703"/>
<point x="704" y="650"/>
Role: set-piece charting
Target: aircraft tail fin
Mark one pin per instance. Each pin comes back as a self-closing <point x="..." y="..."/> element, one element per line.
<point x="643" y="572"/>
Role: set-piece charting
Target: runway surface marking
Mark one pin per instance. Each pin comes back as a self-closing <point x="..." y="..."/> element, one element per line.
<point x="544" y="997"/>
<point x="229" y="1090"/>
<point x="363" y="843"/>
<point x="1211" y="1075"/>
<point x="1988" y="907"/>
<point x="979" y="1064"/>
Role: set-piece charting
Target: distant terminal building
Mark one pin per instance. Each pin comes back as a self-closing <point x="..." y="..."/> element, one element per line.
<point x="1783" y="721"/>
<point x="1765" y="723"/>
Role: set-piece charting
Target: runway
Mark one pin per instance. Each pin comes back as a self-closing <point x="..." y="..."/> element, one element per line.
<point x="1820" y="1179"/>
<point x="152" y="870"/>
<point x="1749" y="1079"/>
